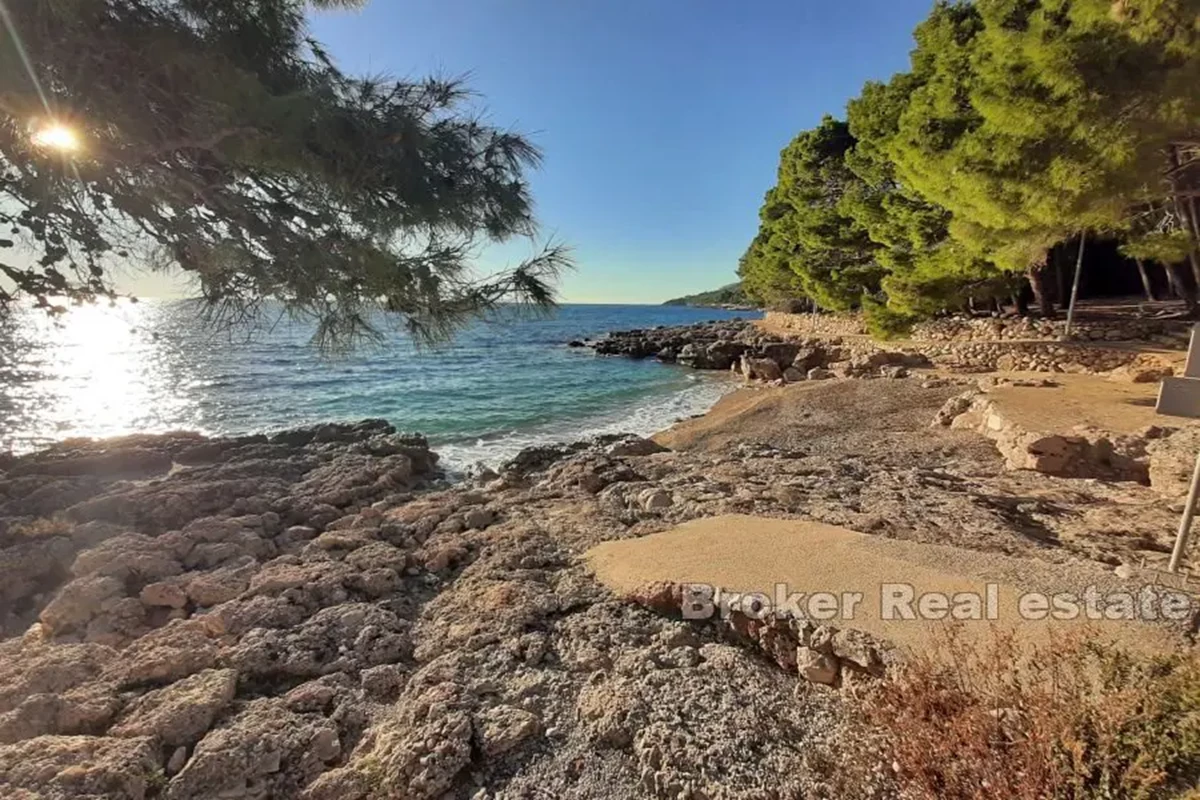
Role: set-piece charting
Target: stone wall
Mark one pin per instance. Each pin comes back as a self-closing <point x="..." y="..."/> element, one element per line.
<point x="1169" y="333"/>
<point x="1026" y="356"/>
<point x="996" y="356"/>
<point x="969" y="344"/>
<point x="817" y="324"/>
<point x="1164" y="332"/>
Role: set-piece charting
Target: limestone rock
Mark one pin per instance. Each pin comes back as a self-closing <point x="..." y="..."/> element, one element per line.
<point x="502" y="728"/>
<point x="422" y="760"/>
<point x="66" y="767"/>
<point x="176" y="650"/>
<point x="349" y="636"/>
<point x="816" y="667"/>
<point x="165" y="595"/>
<point x="635" y="446"/>
<point x="1141" y="373"/>
<point x="655" y="500"/>
<point x="212" y="588"/>
<point x="84" y="709"/>
<point x="79" y="601"/>
<point x="266" y="751"/>
<point x="858" y="648"/>
<point x="478" y="518"/>
<point x="182" y="712"/>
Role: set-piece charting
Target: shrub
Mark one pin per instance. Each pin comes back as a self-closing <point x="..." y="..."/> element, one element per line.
<point x="1078" y="721"/>
<point x="883" y="322"/>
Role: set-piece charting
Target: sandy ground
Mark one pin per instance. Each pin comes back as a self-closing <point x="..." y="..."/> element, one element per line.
<point x="1089" y="400"/>
<point x="752" y="554"/>
<point x="885" y="421"/>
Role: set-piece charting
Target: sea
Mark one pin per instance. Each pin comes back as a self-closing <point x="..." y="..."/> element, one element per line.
<point x="501" y="385"/>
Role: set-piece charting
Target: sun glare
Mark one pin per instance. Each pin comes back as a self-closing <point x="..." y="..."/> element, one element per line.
<point x="56" y="136"/>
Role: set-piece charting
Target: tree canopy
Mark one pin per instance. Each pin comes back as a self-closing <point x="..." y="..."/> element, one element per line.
<point x="218" y="137"/>
<point x="1020" y="125"/>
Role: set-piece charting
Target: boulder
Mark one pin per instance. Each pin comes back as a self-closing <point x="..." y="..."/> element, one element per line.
<point x="635" y="446"/>
<point x="816" y="667"/>
<point x="266" y="751"/>
<point x="1141" y="373"/>
<point x="502" y="728"/>
<point x="92" y="767"/>
<point x="655" y="500"/>
<point x="164" y="595"/>
<point x="807" y="358"/>
<point x="793" y="375"/>
<point x="181" y="713"/>
<point x="176" y="650"/>
<point x="79" y="601"/>
<point x="764" y="369"/>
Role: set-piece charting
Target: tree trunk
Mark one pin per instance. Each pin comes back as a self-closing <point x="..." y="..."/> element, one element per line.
<point x="1062" y="275"/>
<point x="1173" y="278"/>
<point x="1145" y="276"/>
<point x="1037" y="282"/>
<point x="1184" y="209"/>
<point x="1075" y="281"/>
<point x="1179" y="283"/>
<point x="1021" y="303"/>
<point x="1195" y="264"/>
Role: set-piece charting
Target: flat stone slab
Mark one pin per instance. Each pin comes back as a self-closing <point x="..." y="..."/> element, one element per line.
<point x="905" y="592"/>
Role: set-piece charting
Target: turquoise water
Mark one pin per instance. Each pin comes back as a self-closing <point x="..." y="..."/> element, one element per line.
<point x="151" y="367"/>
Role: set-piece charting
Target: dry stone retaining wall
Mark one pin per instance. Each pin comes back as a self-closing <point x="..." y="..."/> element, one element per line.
<point x="999" y="344"/>
<point x="817" y="324"/>
<point x="1165" y="332"/>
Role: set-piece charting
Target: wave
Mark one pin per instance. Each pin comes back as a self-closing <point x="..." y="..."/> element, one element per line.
<point x="643" y="418"/>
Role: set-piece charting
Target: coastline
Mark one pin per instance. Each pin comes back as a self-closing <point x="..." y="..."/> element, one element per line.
<point x="328" y="596"/>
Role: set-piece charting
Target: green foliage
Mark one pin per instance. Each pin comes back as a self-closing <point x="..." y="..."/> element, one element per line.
<point x="766" y="277"/>
<point x="219" y="138"/>
<point x="731" y="295"/>
<point x="1020" y="124"/>
<point x="1168" y="247"/>
<point x="884" y="322"/>
<point x="805" y="229"/>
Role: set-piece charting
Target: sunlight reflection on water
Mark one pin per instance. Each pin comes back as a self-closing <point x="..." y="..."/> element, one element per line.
<point x="96" y="371"/>
<point x="153" y="367"/>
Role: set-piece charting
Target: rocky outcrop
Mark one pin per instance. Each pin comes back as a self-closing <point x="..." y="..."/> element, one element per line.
<point x="746" y="350"/>
<point x="1081" y="453"/>
<point x="186" y="532"/>
<point x="817" y="653"/>
<point x="318" y="616"/>
<point x="708" y="345"/>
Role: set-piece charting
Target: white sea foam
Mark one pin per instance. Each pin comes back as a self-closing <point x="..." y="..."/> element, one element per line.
<point x="643" y="418"/>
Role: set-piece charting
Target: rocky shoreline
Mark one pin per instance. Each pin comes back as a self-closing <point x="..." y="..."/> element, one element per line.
<point x="316" y="614"/>
<point x="789" y="347"/>
<point x="744" y="348"/>
<point x="319" y="614"/>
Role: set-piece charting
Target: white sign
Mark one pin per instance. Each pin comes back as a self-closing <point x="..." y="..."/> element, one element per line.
<point x="1180" y="397"/>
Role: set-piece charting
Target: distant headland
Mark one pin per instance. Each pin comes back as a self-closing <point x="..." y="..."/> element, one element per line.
<point x="731" y="296"/>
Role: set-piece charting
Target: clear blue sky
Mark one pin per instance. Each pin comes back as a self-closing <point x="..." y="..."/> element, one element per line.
<point x="661" y="120"/>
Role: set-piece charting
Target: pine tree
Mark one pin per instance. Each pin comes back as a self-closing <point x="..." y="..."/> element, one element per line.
<point x="216" y="136"/>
